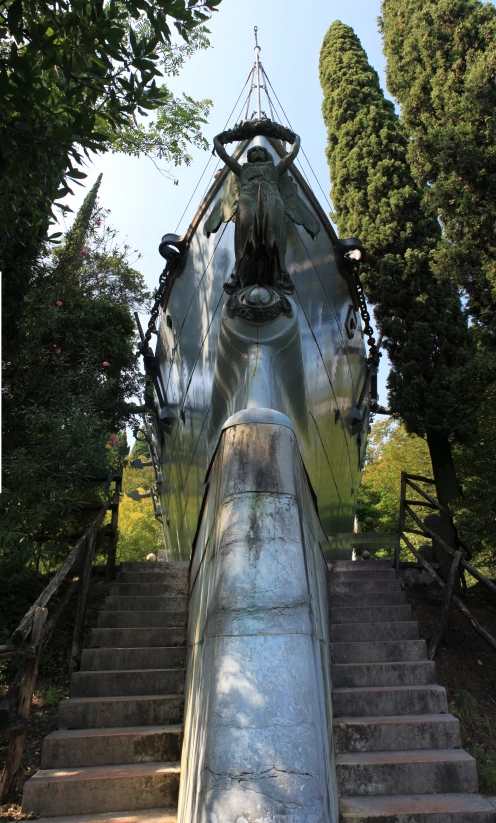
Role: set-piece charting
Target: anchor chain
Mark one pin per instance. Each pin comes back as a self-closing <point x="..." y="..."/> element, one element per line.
<point x="159" y="294"/>
<point x="374" y="353"/>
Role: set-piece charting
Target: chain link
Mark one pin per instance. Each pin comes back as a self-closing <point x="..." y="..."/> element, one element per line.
<point x="159" y="295"/>
<point x="374" y="353"/>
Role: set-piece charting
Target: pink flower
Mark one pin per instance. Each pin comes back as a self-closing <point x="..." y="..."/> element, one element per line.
<point x="58" y="303"/>
<point x="105" y="363"/>
<point x="98" y="222"/>
<point x="110" y="442"/>
<point x="57" y="351"/>
<point x="117" y="442"/>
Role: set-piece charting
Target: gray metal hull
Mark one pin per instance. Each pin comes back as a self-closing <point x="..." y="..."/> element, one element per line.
<point x="316" y="384"/>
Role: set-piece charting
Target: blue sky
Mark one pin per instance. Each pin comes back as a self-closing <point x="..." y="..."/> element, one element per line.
<point x="145" y="205"/>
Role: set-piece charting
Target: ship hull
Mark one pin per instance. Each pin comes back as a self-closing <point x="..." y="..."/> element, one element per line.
<point x="204" y="376"/>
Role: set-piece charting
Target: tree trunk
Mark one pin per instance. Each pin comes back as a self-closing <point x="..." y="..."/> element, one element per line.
<point x="447" y="489"/>
<point x="445" y="478"/>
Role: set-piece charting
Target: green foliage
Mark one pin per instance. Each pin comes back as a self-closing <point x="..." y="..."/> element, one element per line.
<point x="67" y="389"/>
<point x="475" y="512"/>
<point x="75" y="77"/>
<point x="441" y="57"/>
<point x="139" y="531"/>
<point x="377" y="199"/>
<point x="390" y="451"/>
<point x="477" y="721"/>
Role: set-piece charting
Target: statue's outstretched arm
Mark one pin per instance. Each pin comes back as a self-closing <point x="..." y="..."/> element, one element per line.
<point x="286" y="161"/>
<point x="226" y="157"/>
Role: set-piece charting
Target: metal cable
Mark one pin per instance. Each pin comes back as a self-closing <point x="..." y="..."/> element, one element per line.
<point x="211" y="156"/>
<point x="302" y="149"/>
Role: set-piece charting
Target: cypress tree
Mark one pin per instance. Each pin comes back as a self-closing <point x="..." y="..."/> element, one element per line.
<point x="441" y="66"/>
<point x="70" y="254"/>
<point x="376" y="198"/>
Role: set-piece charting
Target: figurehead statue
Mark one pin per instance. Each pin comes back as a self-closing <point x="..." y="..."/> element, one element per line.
<point x="261" y="198"/>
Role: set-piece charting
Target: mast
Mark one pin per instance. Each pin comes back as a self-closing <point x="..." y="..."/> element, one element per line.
<point x="257" y="66"/>
<point x="257" y="81"/>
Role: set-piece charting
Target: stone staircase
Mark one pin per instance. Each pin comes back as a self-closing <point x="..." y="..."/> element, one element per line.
<point x="398" y="751"/>
<point x="116" y="755"/>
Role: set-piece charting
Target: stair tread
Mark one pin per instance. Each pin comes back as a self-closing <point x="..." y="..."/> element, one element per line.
<point x="411" y="756"/>
<point x="122" y="697"/>
<point x="132" y="648"/>
<point x="144" y="816"/>
<point x="116" y="731"/>
<point x="381" y="664"/>
<point x="377" y="625"/>
<point x="413" y="804"/>
<point x="92" y="673"/>
<point x="372" y="689"/>
<point x="397" y="718"/>
<point x="104" y="772"/>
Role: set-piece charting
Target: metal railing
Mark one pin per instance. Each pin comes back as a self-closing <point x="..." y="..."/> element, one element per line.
<point x="36" y="628"/>
<point x="427" y="500"/>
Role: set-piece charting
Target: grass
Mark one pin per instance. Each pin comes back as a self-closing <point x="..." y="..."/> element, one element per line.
<point x="478" y="727"/>
<point x="49" y="695"/>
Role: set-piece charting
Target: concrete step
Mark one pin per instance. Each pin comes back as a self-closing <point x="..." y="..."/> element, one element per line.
<point x="125" y="683"/>
<point x="383" y="674"/>
<point x="365" y="586"/>
<point x="161" y="657"/>
<point x="416" y="772"/>
<point x="364" y="574"/>
<point x="406" y="732"/>
<point x="109" y="747"/>
<point x="355" y="599"/>
<point x="370" y="614"/>
<point x="117" y="638"/>
<point x="141" y="816"/>
<point x="359" y="565"/>
<point x="141" y="620"/>
<point x="152" y="589"/>
<point x="382" y="651"/>
<point x="389" y="700"/>
<point x="109" y="712"/>
<point x="146" y="604"/>
<point x="102" y="789"/>
<point x="367" y="632"/>
<point x="417" y="808"/>
<point x="162" y="578"/>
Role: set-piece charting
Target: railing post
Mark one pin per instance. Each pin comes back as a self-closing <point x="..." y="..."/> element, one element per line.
<point x="402" y="524"/>
<point x="114" y="532"/>
<point x="84" y="586"/>
<point x="26" y="688"/>
<point x="438" y="631"/>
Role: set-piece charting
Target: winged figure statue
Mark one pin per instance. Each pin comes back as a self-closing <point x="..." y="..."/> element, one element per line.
<point x="261" y="198"/>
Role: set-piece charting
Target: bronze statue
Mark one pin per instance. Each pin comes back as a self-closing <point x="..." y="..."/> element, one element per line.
<point x="261" y="198"/>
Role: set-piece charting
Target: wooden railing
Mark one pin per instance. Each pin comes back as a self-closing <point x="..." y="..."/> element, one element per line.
<point x="36" y="628"/>
<point x="427" y="500"/>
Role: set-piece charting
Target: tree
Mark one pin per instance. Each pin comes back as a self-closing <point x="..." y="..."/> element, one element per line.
<point x="139" y="530"/>
<point x="441" y="60"/>
<point x="68" y="388"/>
<point x="390" y="451"/>
<point x="376" y="198"/>
<point x="75" y="77"/>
